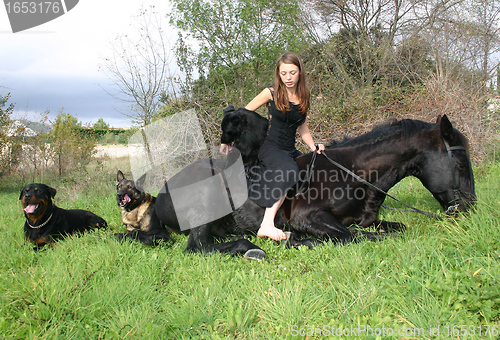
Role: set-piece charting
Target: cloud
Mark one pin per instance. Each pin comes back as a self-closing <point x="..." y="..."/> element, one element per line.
<point x="56" y="64"/>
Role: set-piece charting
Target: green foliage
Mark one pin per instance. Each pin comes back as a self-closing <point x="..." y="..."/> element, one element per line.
<point x="5" y="112"/>
<point x="72" y="149"/>
<point x="235" y="32"/>
<point x="239" y="42"/>
<point x="101" y="125"/>
<point x="107" y="136"/>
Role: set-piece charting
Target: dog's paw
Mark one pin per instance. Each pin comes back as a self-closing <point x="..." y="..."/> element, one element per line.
<point x="102" y="225"/>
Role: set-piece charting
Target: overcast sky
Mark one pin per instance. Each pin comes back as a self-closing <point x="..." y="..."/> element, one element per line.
<point x="56" y="65"/>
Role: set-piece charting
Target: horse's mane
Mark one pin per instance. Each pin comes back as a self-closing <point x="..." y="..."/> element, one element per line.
<point x="391" y="130"/>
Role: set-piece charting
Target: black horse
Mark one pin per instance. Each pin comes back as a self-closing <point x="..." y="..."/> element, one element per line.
<point x="331" y="201"/>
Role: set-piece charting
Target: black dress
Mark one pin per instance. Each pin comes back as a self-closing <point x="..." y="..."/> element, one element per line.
<point x="277" y="172"/>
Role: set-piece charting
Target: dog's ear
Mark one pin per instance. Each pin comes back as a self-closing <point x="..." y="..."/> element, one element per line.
<point x="228" y="109"/>
<point x="438" y="119"/>
<point x="52" y="191"/>
<point x="140" y="182"/>
<point x="119" y="177"/>
<point x="244" y="121"/>
<point x="239" y="120"/>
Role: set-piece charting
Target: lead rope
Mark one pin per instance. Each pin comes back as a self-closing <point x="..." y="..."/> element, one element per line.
<point x="309" y="173"/>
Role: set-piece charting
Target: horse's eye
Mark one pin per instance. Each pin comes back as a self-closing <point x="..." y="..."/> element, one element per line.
<point x="462" y="166"/>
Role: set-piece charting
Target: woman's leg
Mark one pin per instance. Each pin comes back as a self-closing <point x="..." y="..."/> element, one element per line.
<point x="267" y="228"/>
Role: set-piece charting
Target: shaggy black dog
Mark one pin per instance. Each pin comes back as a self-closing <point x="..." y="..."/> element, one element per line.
<point x="245" y="130"/>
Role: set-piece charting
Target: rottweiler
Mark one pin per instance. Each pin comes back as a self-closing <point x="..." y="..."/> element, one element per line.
<point x="137" y="208"/>
<point x="45" y="222"/>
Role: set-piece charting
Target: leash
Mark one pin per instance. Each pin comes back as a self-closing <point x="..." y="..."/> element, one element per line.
<point x="39" y="226"/>
<point x="224" y="179"/>
<point x="309" y="174"/>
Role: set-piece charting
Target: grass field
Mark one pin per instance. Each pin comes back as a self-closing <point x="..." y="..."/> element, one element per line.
<point x="439" y="279"/>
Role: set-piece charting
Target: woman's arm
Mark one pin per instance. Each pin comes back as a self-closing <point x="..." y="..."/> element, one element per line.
<point x="262" y="98"/>
<point x="305" y="134"/>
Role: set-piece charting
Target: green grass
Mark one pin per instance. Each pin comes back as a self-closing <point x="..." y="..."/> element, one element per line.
<point x="437" y="273"/>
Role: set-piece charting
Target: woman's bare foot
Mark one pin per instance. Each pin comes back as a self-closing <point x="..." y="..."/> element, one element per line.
<point x="272" y="232"/>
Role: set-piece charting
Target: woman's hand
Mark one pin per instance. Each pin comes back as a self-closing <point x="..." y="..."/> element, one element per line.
<point x="224" y="149"/>
<point x="318" y="148"/>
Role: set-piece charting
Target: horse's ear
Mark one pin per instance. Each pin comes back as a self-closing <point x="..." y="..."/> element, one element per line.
<point x="446" y="128"/>
<point x="438" y="119"/>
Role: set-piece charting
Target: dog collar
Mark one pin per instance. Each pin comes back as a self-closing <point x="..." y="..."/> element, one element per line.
<point x="39" y="226"/>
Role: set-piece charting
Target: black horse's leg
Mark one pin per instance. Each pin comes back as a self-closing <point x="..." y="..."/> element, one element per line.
<point x="201" y="239"/>
<point x="388" y="227"/>
<point x="294" y="240"/>
<point x="384" y="229"/>
<point x="323" y="225"/>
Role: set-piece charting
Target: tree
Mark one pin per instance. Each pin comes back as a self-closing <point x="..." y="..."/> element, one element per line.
<point x="101" y="124"/>
<point x="237" y="42"/>
<point x="368" y="30"/>
<point x="139" y="67"/>
<point x="485" y="15"/>
<point x="5" y="111"/>
<point x="71" y="148"/>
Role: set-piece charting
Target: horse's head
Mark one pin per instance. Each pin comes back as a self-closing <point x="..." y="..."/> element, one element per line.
<point x="447" y="171"/>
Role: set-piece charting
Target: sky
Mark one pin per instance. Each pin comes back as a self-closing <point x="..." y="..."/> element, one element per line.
<point x="55" y="65"/>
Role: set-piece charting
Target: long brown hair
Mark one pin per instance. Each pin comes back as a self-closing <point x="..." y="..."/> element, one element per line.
<point x="280" y="94"/>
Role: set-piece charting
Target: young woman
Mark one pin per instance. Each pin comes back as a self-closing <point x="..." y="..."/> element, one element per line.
<point x="288" y="103"/>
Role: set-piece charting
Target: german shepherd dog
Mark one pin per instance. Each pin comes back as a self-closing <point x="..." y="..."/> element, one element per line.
<point x="45" y="222"/>
<point x="137" y="208"/>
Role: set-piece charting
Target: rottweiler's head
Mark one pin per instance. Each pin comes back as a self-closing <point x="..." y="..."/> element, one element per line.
<point x="36" y="199"/>
<point x="129" y="193"/>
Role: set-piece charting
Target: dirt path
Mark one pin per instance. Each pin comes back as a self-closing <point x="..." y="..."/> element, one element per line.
<point x="112" y="151"/>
